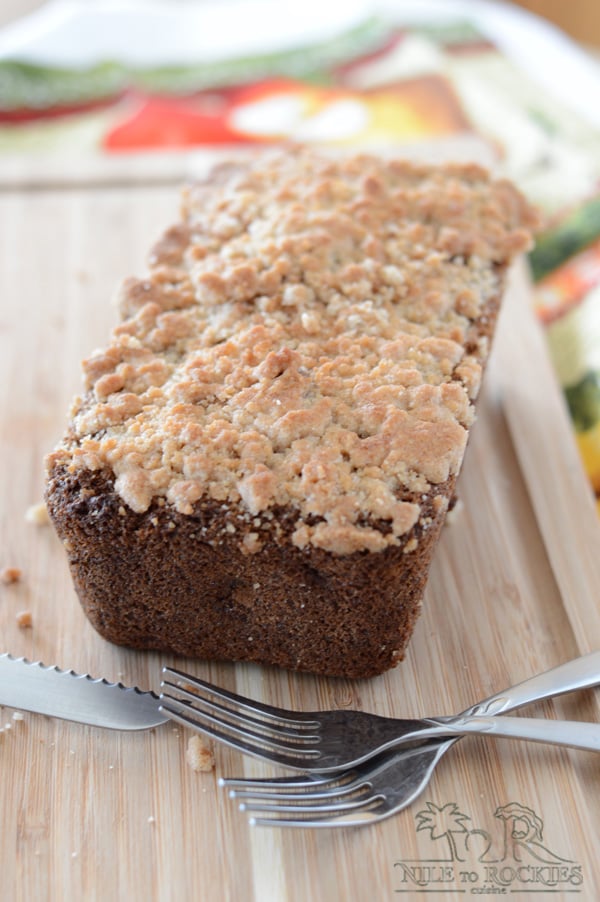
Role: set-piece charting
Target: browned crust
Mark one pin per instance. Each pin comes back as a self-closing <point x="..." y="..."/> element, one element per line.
<point x="181" y="583"/>
<point x="164" y="580"/>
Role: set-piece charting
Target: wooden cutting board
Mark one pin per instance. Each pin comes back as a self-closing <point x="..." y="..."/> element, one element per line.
<point x="91" y="814"/>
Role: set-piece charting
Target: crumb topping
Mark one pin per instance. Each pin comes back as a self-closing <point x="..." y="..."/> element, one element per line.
<point x="307" y="336"/>
<point x="37" y="514"/>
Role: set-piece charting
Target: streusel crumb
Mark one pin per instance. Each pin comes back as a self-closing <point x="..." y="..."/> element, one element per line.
<point x="37" y="514"/>
<point x="308" y="338"/>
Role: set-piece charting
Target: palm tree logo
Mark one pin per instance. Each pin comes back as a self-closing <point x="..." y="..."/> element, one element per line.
<point x="522" y="840"/>
<point x="444" y="822"/>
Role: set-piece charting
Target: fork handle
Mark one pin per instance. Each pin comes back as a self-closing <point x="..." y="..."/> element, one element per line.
<point x="581" y="673"/>
<point x="574" y="734"/>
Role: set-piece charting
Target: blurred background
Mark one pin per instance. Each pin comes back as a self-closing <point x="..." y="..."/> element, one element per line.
<point x="579" y="18"/>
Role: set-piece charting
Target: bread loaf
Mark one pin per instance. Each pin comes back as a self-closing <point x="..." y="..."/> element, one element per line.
<point x="263" y="456"/>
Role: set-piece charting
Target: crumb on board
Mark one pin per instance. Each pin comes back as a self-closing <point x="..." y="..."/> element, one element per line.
<point x="7" y="727"/>
<point x="199" y="755"/>
<point x="455" y="512"/>
<point x="37" y="514"/>
<point x="24" y="620"/>
<point x="151" y="819"/>
<point x="10" y="575"/>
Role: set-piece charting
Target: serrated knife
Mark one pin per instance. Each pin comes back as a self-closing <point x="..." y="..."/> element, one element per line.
<point x="33" y="686"/>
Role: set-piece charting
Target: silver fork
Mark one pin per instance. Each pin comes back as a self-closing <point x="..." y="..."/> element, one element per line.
<point x="388" y="783"/>
<point x="370" y="792"/>
<point x="327" y="741"/>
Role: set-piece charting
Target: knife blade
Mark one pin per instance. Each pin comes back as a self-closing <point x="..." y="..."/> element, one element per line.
<point x="33" y="686"/>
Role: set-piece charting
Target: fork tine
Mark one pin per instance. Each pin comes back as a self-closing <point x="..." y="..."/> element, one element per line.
<point x="245" y="741"/>
<point x="231" y="716"/>
<point x="320" y="781"/>
<point x="301" y="791"/>
<point x="277" y="782"/>
<point x="300" y="798"/>
<point x="333" y="808"/>
<point x="355" y="819"/>
<point x="298" y="719"/>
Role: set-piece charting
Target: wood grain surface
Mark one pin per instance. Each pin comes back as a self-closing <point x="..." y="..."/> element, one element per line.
<point x="90" y="814"/>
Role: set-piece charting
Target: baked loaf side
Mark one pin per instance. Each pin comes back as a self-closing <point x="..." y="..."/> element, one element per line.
<point x="262" y="459"/>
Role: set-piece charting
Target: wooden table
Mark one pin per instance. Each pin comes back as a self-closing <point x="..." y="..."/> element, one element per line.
<point x="88" y="814"/>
